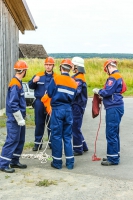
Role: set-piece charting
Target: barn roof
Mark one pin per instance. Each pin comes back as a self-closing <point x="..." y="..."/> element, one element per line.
<point x="21" y="14"/>
<point x="32" y="51"/>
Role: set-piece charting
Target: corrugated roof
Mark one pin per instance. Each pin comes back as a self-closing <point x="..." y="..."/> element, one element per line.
<point x="21" y="14"/>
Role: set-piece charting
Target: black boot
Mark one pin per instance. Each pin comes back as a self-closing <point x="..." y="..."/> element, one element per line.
<point x="18" y="165"/>
<point x="7" y="170"/>
<point x="35" y="148"/>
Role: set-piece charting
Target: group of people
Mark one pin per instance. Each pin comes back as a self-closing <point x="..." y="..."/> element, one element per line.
<point x="68" y="100"/>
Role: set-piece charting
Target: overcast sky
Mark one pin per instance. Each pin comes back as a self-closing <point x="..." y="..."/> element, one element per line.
<point x="82" y="26"/>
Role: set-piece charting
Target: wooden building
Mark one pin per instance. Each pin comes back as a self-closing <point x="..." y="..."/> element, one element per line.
<point x="15" y="16"/>
<point x="32" y="51"/>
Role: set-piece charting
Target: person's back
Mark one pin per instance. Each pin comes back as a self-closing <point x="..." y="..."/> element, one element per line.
<point x="62" y="90"/>
<point x="82" y="96"/>
<point x="114" y="106"/>
<point x="78" y="106"/>
<point x="16" y="112"/>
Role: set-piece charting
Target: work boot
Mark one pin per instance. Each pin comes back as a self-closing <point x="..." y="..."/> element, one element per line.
<point x="104" y="159"/>
<point x="52" y="165"/>
<point x="35" y="148"/>
<point x="70" y="166"/>
<point x="108" y="163"/>
<point x="7" y="170"/>
<point x="18" y="165"/>
<point x="77" y="153"/>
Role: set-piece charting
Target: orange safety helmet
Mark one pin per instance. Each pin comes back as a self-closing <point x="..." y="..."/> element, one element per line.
<point x="20" y="65"/>
<point x="67" y="62"/>
<point x="111" y="62"/>
<point x="49" y="60"/>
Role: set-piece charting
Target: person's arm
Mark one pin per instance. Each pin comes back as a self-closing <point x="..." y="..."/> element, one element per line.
<point x="33" y="82"/>
<point x="110" y="88"/>
<point x="51" y="88"/>
<point x="13" y="103"/>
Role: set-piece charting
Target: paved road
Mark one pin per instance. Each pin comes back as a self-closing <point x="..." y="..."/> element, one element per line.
<point x="88" y="180"/>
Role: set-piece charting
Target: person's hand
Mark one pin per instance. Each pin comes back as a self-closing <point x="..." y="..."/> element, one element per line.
<point x="19" y="118"/>
<point x="36" y="78"/>
<point x="95" y="90"/>
<point x="21" y="123"/>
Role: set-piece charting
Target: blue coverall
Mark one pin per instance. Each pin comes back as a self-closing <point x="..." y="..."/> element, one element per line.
<point x="78" y="108"/>
<point x="62" y="90"/>
<point x="41" y="117"/>
<point x="114" y="105"/>
<point x="15" y="139"/>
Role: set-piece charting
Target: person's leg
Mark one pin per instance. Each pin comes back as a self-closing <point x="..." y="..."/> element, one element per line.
<point x="113" y="118"/>
<point x="48" y="130"/>
<point x="40" y="116"/>
<point x="67" y="138"/>
<point x="13" y="136"/>
<point x="76" y="130"/>
<point x="85" y="147"/>
<point x="17" y="152"/>
<point x="56" y="137"/>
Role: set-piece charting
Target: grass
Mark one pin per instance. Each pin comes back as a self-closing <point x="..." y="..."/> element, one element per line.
<point x="3" y="120"/>
<point x="29" y="118"/>
<point x="95" y="76"/>
<point x="28" y="145"/>
<point x="46" y="183"/>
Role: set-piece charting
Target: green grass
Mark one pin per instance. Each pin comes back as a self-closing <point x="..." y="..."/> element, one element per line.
<point x="28" y="145"/>
<point x="3" y="120"/>
<point x="29" y="118"/>
<point x="46" y="183"/>
<point x="95" y="76"/>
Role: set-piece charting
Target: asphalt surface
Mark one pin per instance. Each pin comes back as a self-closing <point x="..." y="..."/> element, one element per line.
<point x="89" y="179"/>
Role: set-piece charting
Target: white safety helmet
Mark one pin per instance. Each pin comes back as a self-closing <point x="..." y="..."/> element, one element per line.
<point x="79" y="63"/>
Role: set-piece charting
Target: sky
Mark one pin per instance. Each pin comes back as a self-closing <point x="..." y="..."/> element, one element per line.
<point x="81" y="26"/>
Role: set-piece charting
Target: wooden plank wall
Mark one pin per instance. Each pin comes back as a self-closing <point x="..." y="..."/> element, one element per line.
<point x="9" y="50"/>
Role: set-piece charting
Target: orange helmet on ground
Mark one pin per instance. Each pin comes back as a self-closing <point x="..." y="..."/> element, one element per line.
<point x="111" y="62"/>
<point x="20" y="65"/>
<point x="49" y="60"/>
<point x="66" y="63"/>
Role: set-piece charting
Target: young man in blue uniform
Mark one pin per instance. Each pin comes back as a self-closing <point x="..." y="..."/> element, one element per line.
<point x="78" y="106"/>
<point x="40" y="83"/>
<point x="62" y="90"/>
<point x="114" y="105"/>
<point x="16" y="112"/>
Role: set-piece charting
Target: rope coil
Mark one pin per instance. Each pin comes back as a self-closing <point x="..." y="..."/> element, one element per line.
<point x="41" y="156"/>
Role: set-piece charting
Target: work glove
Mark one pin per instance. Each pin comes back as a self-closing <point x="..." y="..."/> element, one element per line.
<point x="95" y="90"/>
<point x="19" y="118"/>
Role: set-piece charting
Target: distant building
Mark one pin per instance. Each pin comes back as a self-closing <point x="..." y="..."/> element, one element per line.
<point x="32" y="51"/>
<point x="14" y="16"/>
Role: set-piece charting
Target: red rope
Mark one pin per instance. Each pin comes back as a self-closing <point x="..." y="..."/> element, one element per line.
<point x="94" y="157"/>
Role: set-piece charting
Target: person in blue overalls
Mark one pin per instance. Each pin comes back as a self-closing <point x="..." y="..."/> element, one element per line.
<point x="114" y="105"/>
<point x="16" y="112"/>
<point x="40" y="83"/>
<point x="78" y="107"/>
<point x="62" y="90"/>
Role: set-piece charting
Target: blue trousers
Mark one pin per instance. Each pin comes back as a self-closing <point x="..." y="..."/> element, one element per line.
<point x="14" y="143"/>
<point x="113" y="119"/>
<point x="41" y="118"/>
<point x="79" y="144"/>
<point x="61" y="131"/>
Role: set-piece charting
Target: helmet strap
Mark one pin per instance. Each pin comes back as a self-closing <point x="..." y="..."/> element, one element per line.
<point x="108" y="70"/>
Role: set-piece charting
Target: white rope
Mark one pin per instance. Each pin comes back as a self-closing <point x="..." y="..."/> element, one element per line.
<point x="42" y="156"/>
